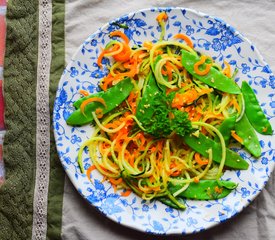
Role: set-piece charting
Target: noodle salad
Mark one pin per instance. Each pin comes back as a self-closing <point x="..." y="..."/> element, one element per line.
<point x="164" y="120"/>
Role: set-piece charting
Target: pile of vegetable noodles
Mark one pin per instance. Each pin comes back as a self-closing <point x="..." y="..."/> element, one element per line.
<point x="164" y="119"/>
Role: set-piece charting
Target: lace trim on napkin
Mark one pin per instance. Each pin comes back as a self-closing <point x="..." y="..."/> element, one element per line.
<point x="39" y="229"/>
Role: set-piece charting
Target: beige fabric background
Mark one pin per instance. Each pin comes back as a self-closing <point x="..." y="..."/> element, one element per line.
<point x="256" y="21"/>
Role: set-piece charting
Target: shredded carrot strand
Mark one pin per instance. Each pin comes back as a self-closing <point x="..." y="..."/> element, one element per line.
<point x="236" y="136"/>
<point x="90" y="100"/>
<point x="235" y="104"/>
<point x="133" y="71"/>
<point x="196" y="180"/>
<point x="126" y="193"/>
<point x="106" y="81"/>
<point x="90" y="169"/>
<point x="124" y="55"/>
<point x="199" y="160"/>
<point x="99" y="112"/>
<point x="115" y="181"/>
<point x="199" y="63"/>
<point x="218" y="190"/>
<point x="227" y="70"/>
<point x="162" y="17"/>
<point x="148" y="45"/>
<point x="174" y="173"/>
<point x="114" y="187"/>
<point x="184" y="98"/>
<point x="185" y="38"/>
<point x="84" y="92"/>
<point x="132" y="101"/>
<point x="104" y="52"/>
<point x="121" y="35"/>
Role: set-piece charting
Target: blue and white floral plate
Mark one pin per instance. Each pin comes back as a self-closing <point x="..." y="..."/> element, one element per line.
<point x="210" y="35"/>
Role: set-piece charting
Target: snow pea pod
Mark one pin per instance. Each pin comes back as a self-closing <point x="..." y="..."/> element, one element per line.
<point x="213" y="78"/>
<point x="201" y="144"/>
<point x="250" y="140"/>
<point x="225" y="128"/>
<point x="126" y="83"/>
<point x="144" y="111"/>
<point x="205" y="189"/>
<point x="167" y="201"/>
<point x="112" y="97"/>
<point x="254" y="111"/>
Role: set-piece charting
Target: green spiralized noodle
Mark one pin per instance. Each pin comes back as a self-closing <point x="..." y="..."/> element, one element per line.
<point x="240" y="97"/>
<point x="117" y="51"/>
<point x="107" y="129"/>
<point x="85" y="144"/>
<point x="184" y="187"/>
<point x="197" y="177"/>
<point x="206" y="125"/>
<point x="212" y="173"/>
<point x="159" y="77"/>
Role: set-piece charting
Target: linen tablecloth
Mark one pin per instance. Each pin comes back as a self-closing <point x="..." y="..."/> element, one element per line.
<point x="37" y="201"/>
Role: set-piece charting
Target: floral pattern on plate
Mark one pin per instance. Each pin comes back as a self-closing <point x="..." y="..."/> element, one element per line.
<point x="211" y="36"/>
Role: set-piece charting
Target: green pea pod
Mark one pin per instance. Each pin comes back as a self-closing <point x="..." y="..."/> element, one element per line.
<point x="201" y="144"/>
<point x="112" y="97"/>
<point x="250" y="140"/>
<point x="254" y="111"/>
<point x="126" y="83"/>
<point x="167" y="201"/>
<point x="225" y="128"/>
<point x="205" y="189"/>
<point x="144" y="111"/>
<point x="214" y="78"/>
<point x="227" y="184"/>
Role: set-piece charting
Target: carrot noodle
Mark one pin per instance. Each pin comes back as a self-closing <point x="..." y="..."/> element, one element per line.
<point x="120" y="149"/>
<point x="90" y="100"/>
<point x="199" y="63"/>
<point x="126" y="193"/>
<point x="161" y="19"/>
<point x="185" y="38"/>
<point x="120" y="34"/>
<point x="236" y="137"/>
<point x="227" y="70"/>
<point x="83" y="92"/>
<point x="90" y="169"/>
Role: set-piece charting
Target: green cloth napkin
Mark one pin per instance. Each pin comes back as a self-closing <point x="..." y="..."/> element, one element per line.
<point x="31" y="197"/>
